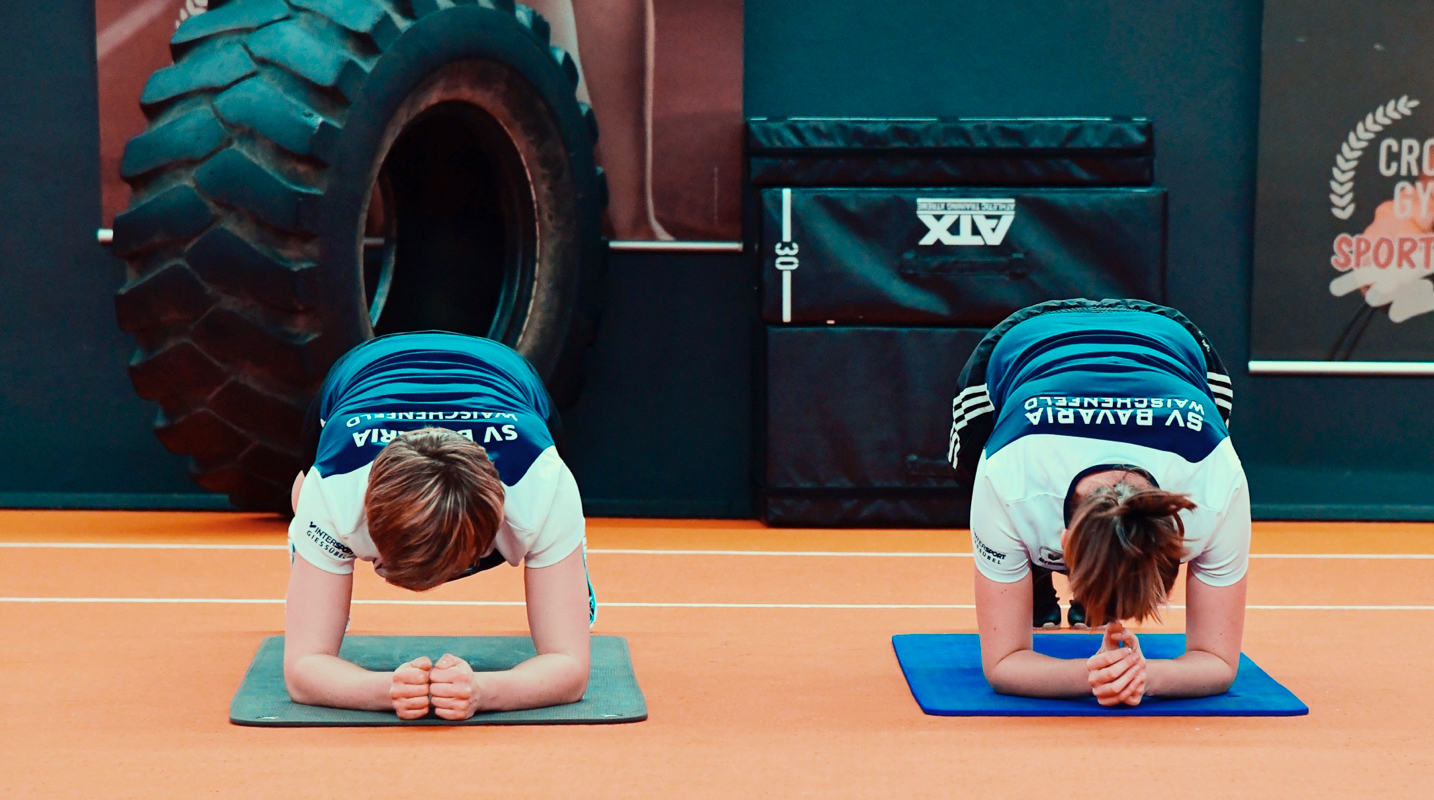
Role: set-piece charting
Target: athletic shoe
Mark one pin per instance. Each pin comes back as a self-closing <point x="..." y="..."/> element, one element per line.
<point x="1076" y="616"/>
<point x="1045" y="607"/>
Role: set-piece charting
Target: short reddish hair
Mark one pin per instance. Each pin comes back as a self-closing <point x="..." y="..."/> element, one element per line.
<point x="434" y="504"/>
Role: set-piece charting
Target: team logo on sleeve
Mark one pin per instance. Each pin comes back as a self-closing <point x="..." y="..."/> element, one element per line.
<point x="993" y="556"/>
<point x="329" y="543"/>
<point x="1052" y="558"/>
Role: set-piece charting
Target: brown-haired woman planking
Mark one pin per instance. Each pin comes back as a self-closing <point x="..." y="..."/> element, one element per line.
<point x="1094" y="437"/>
<point x="435" y="457"/>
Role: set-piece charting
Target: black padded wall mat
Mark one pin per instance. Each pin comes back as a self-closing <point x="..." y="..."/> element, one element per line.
<point x="857" y="423"/>
<point x="931" y="152"/>
<point x="886" y="248"/>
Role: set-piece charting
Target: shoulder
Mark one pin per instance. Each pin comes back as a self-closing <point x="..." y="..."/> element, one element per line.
<point x="350" y="442"/>
<point x="517" y="443"/>
<point x="328" y="528"/>
<point x="527" y="500"/>
<point x="1216" y="479"/>
<point x="543" y="514"/>
<point x="1038" y="464"/>
<point x="340" y="496"/>
<point x="1023" y="488"/>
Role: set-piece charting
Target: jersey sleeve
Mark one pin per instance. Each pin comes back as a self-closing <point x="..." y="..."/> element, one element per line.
<point x="1227" y="554"/>
<point x="996" y="547"/>
<point x="312" y="533"/>
<point x="563" y="530"/>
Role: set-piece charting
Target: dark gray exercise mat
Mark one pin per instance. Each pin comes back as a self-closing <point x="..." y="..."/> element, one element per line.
<point x="612" y="696"/>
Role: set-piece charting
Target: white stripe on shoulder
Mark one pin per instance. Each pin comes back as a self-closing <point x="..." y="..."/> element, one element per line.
<point x="973" y="396"/>
<point x="975" y="400"/>
<point x="979" y="388"/>
<point x="965" y="419"/>
<point x="977" y="409"/>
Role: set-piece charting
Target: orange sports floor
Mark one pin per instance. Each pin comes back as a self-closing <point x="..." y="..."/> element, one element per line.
<point x="764" y="655"/>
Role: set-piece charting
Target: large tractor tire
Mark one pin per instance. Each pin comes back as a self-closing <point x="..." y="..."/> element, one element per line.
<point x="318" y="172"/>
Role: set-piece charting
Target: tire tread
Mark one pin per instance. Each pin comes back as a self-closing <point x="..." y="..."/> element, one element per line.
<point x="208" y="68"/>
<point x="235" y="179"/>
<point x="191" y="137"/>
<point x="266" y="110"/>
<point x="323" y="62"/>
<point x="235" y="18"/>
<point x="223" y="289"/>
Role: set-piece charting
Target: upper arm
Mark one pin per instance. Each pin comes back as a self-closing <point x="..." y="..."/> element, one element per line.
<point x="996" y="548"/>
<point x="1227" y="554"/>
<point x="313" y="535"/>
<point x="1215" y="584"/>
<point x="1003" y="577"/>
<point x="563" y="527"/>
<point x="1215" y="619"/>
<point x="557" y="598"/>
<point x="294" y="492"/>
<point x="1003" y="616"/>
<point x="316" y="611"/>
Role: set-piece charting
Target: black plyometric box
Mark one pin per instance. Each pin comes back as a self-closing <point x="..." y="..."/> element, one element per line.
<point x="806" y="151"/>
<point x="857" y="424"/>
<point x="886" y="249"/>
<point x="953" y="256"/>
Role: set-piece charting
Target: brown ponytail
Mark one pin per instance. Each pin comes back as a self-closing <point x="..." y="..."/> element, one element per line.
<point x="1124" y="550"/>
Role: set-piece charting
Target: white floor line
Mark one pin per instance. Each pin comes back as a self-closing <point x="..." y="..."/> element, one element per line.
<point x="519" y="603"/>
<point x="799" y="553"/>
<point x="1370" y="556"/>
<point x="635" y="552"/>
<point x="1331" y="608"/>
<point x="259" y="601"/>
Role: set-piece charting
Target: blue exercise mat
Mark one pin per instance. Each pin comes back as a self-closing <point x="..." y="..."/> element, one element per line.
<point x="944" y="673"/>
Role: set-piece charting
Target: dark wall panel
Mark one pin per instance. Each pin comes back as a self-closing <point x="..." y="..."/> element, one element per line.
<point x="663" y="424"/>
<point x="72" y="425"/>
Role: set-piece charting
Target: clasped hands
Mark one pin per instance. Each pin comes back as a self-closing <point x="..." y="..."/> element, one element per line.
<point x="448" y="686"/>
<point x="1117" y="671"/>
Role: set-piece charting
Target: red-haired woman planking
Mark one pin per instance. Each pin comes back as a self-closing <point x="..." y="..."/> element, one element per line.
<point x="1094" y="437"/>
<point x="435" y="457"/>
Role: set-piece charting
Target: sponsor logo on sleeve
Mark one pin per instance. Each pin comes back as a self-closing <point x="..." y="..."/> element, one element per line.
<point x="1052" y="558"/>
<point x="329" y="543"/>
<point x="993" y="556"/>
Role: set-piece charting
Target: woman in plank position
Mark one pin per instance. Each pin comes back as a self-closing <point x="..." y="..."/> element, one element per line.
<point x="434" y="457"/>
<point x="1094" y="437"/>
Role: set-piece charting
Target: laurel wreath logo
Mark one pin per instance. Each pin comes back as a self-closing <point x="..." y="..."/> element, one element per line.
<point x="1341" y="186"/>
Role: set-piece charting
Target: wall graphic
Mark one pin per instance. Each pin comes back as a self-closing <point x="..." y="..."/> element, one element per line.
<point x="1344" y="229"/>
<point x="663" y="76"/>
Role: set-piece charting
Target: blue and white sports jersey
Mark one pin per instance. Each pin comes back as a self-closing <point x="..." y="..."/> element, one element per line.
<point x="476" y="387"/>
<point x="1077" y="390"/>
